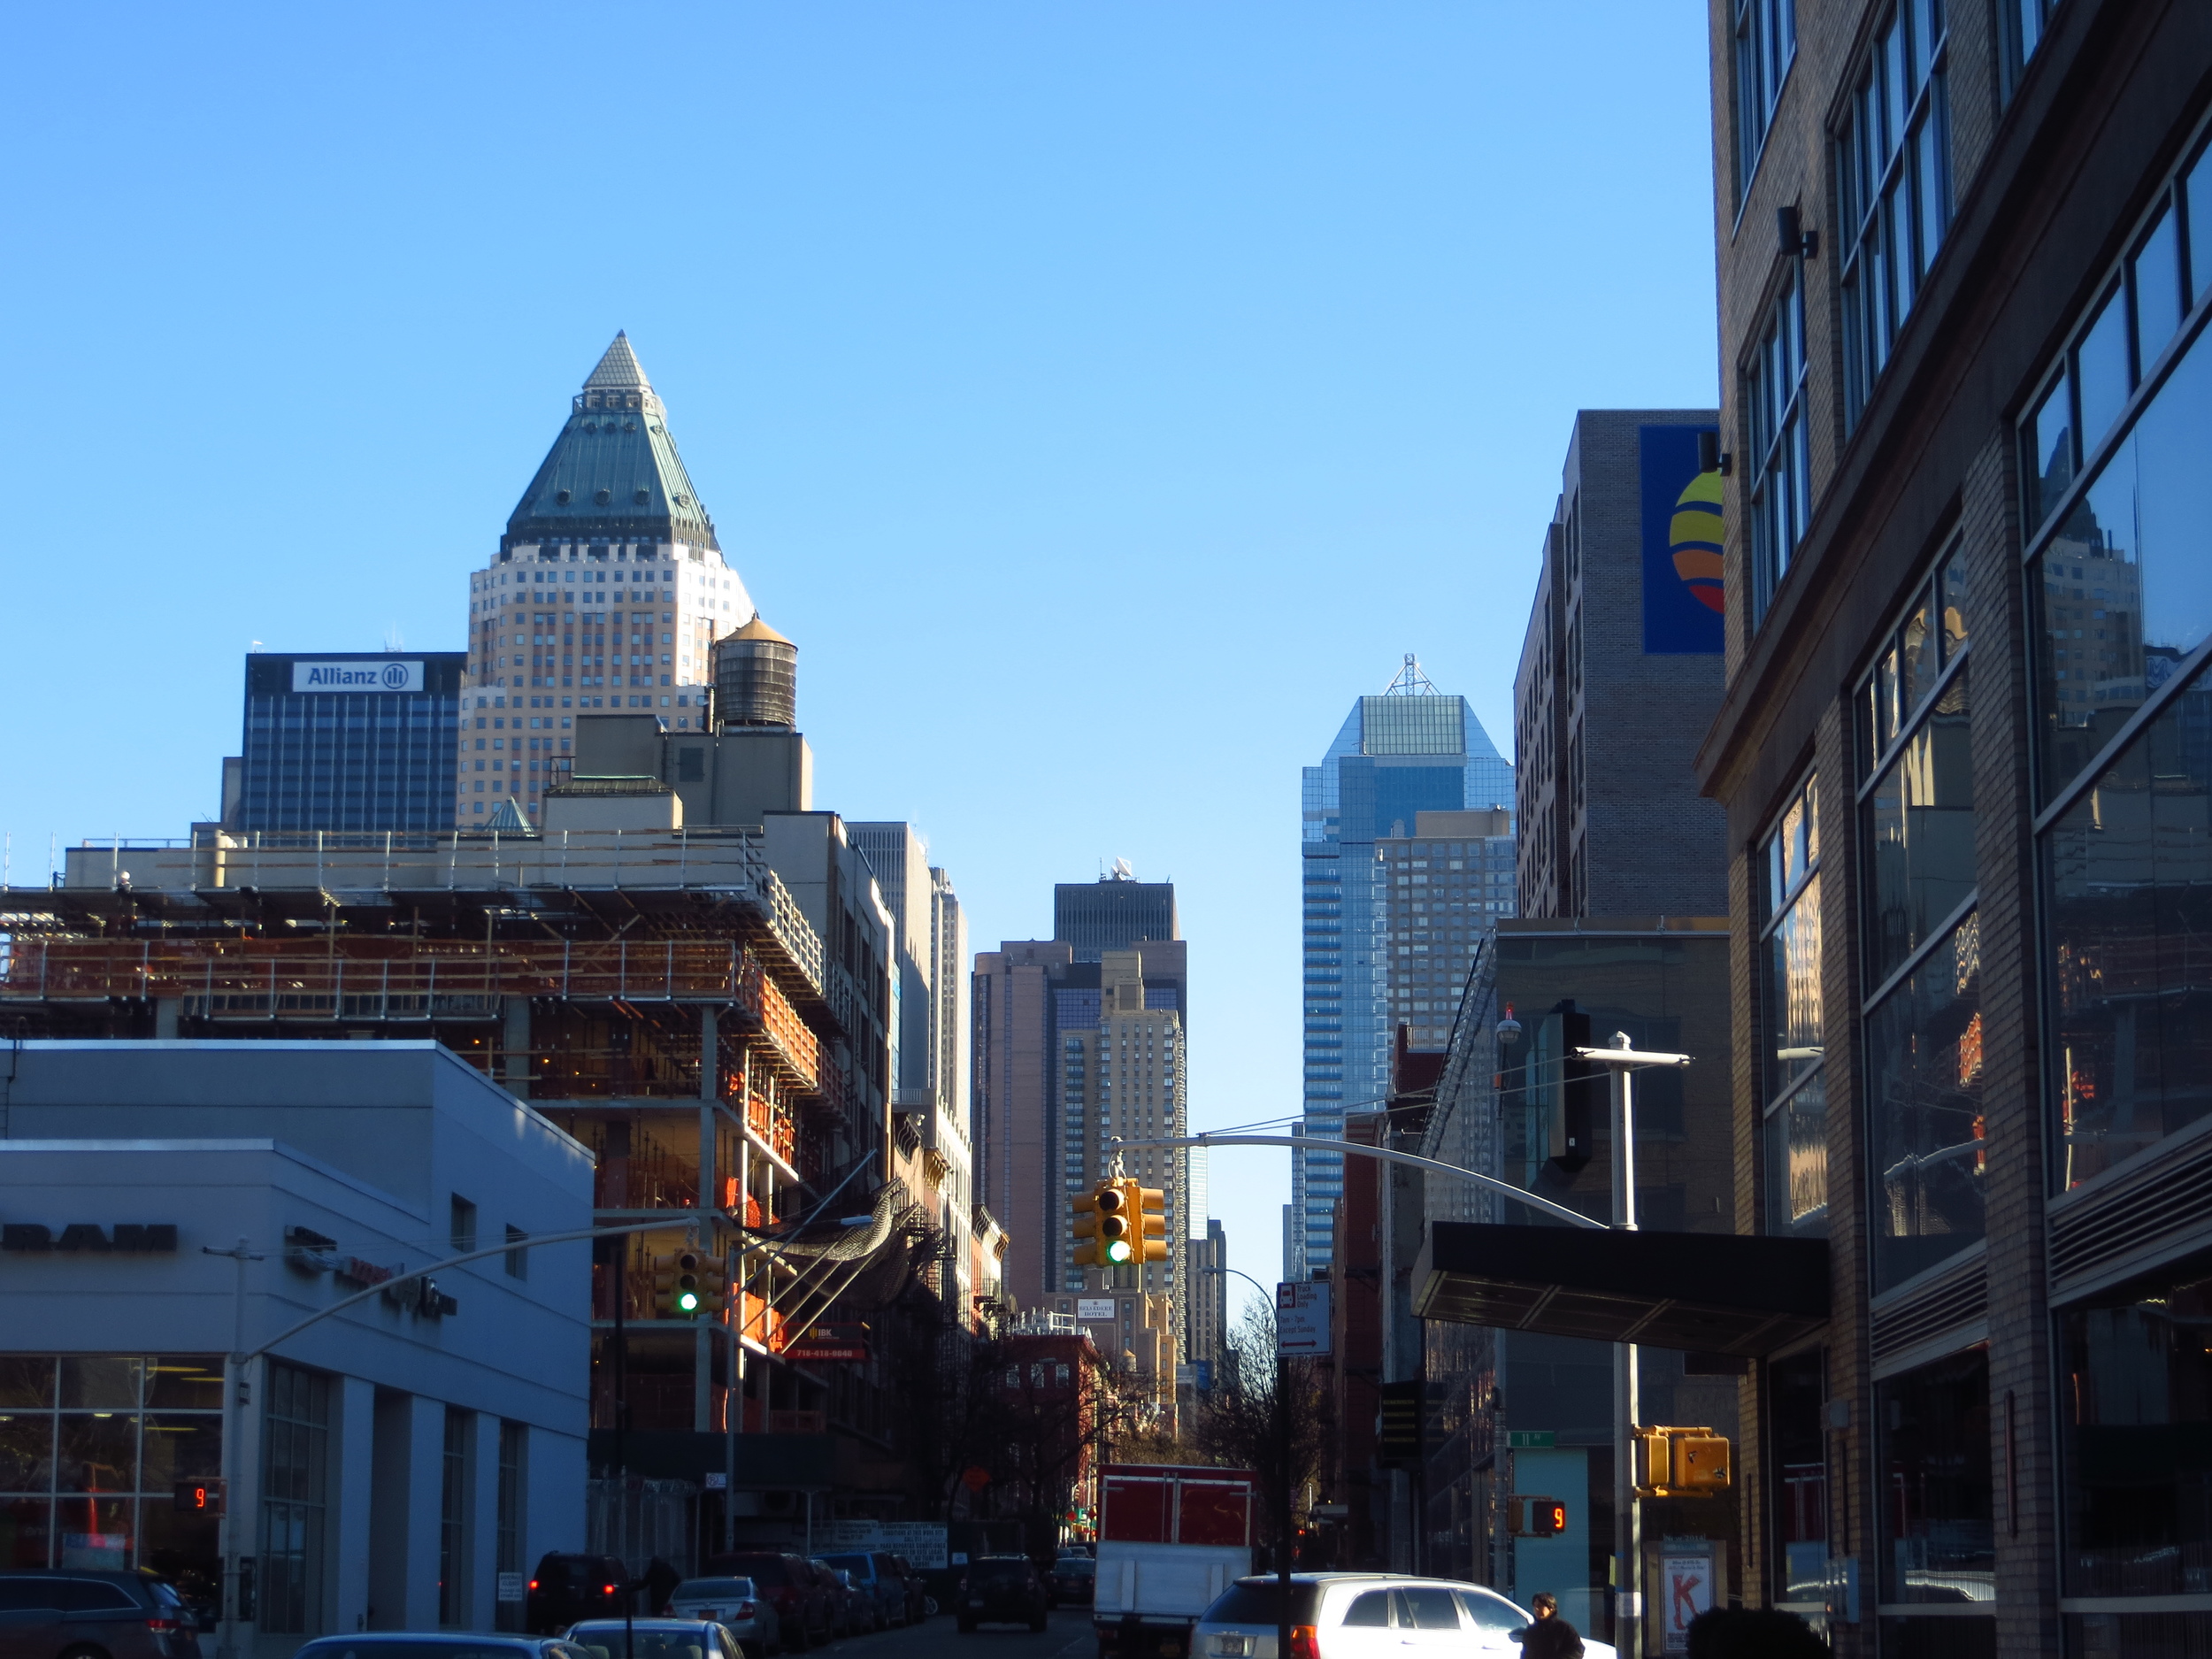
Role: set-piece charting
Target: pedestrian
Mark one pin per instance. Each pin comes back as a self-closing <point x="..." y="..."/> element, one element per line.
<point x="1550" y="1637"/>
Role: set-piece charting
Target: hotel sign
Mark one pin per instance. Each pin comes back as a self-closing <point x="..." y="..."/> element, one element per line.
<point x="391" y="675"/>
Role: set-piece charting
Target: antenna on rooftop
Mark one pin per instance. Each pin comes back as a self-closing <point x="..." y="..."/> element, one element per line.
<point x="1410" y="682"/>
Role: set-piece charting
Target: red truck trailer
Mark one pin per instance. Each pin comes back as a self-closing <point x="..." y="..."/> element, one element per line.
<point x="1170" y="1539"/>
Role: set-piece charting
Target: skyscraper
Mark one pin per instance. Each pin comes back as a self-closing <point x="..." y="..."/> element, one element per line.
<point x="1438" y="889"/>
<point x="608" y="592"/>
<point x="1405" y="752"/>
<point x="348" y="740"/>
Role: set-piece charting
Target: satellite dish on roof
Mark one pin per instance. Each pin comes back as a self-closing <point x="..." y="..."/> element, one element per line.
<point x="1122" y="871"/>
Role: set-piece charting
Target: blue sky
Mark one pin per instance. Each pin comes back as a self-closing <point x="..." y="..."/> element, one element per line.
<point x="1101" y="395"/>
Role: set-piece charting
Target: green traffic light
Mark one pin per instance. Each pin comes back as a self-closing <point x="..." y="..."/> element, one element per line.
<point x="688" y="1302"/>
<point x="1118" y="1252"/>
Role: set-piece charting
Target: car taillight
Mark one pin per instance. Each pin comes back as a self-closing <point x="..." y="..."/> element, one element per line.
<point x="534" y="1583"/>
<point x="607" y="1589"/>
<point x="1304" y="1642"/>
<point x="744" y="1609"/>
<point x="166" y="1626"/>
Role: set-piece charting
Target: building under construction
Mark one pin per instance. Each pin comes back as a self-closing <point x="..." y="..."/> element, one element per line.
<point x="661" y="995"/>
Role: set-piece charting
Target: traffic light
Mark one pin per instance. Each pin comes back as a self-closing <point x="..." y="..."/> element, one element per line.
<point x="1085" y="1229"/>
<point x="1535" y="1517"/>
<point x="1118" y="1220"/>
<point x="1676" y="1462"/>
<point x="676" y="1285"/>
<point x="1152" y="1211"/>
<point x="714" y="1287"/>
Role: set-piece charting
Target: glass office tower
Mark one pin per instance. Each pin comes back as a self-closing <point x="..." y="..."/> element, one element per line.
<point x="349" y="741"/>
<point x="1408" y="751"/>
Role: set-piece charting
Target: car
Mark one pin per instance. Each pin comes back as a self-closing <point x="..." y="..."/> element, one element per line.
<point x="919" y="1603"/>
<point x="650" y="1639"/>
<point x="569" y="1588"/>
<point x="805" y="1615"/>
<point x="736" y="1605"/>
<point x="1074" y="1580"/>
<point x="859" y="1602"/>
<point x="1002" y="1590"/>
<point x="439" y="1644"/>
<point x="119" y="1614"/>
<point x="1353" y="1615"/>
<point x="878" y="1575"/>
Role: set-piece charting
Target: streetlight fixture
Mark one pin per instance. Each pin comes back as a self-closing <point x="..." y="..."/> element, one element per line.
<point x="1622" y="1061"/>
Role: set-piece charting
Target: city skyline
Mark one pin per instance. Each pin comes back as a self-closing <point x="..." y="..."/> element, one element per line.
<point x="964" y="360"/>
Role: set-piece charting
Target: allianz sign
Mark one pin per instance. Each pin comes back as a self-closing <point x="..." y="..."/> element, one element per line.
<point x="357" y="676"/>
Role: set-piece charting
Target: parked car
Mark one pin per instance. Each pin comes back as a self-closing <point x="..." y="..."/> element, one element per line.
<point x="650" y="1639"/>
<point x="1072" y="1580"/>
<point x="879" y="1575"/>
<point x="566" y="1588"/>
<point x="1002" y="1590"/>
<point x="800" y="1595"/>
<point x="440" y="1644"/>
<point x="735" y="1604"/>
<point x="1345" y="1615"/>
<point x="123" y="1615"/>
<point x="860" y="1601"/>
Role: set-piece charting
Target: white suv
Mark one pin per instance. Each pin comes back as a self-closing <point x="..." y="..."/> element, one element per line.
<point x="1364" y="1616"/>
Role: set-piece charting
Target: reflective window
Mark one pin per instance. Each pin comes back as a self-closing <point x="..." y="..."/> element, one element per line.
<point x="1918" y="831"/>
<point x="1766" y="43"/>
<point x="2128" y="875"/>
<point x="1893" y="160"/>
<point x="1796" y="1125"/>
<point x="2025" y="23"/>
<point x="295" y="1471"/>
<point x="2121" y="589"/>
<point x="1774" y="405"/>
<point x="1932" y="1430"/>
<point x="2136" y="1410"/>
<point x="1924" y="1043"/>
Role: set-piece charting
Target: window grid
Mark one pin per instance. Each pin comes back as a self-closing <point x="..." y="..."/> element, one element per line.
<point x="293" y="1498"/>
<point x="1766" y="45"/>
<point x="1794" y="1086"/>
<point x="1774" y="403"/>
<point x="1894" y="195"/>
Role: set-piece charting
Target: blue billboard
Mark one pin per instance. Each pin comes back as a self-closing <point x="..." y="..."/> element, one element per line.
<point x="1683" y="600"/>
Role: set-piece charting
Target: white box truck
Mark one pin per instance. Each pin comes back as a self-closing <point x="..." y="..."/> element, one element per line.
<point x="1171" y="1539"/>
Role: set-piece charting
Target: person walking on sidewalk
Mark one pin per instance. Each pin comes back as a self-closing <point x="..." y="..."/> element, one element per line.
<point x="1550" y="1637"/>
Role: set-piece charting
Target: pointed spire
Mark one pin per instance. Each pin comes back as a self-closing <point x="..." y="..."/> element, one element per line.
<point x="619" y="370"/>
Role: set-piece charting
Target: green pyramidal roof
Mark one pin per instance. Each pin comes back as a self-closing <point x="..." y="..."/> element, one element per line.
<point x="613" y="474"/>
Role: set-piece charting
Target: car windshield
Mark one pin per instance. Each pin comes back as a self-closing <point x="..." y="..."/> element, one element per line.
<point x="1077" y="1564"/>
<point x="1256" y="1601"/>
<point x="712" y="1589"/>
<point x="422" y="1647"/>
<point x="765" y="1571"/>
<point x="604" y="1640"/>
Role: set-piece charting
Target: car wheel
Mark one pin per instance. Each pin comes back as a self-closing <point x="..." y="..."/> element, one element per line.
<point x="930" y="1610"/>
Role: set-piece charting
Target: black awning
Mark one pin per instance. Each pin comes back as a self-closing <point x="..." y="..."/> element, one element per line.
<point x="1704" y="1292"/>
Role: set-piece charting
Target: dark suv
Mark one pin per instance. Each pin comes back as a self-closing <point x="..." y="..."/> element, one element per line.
<point x="567" y="1588"/>
<point x="1002" y="1590"/>
<point x="125" y="1615"/>
<point x="792" y="1586"/>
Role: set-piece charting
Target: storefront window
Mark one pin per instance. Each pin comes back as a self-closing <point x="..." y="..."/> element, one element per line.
<point x="294" y="1488"/>
<point x="1797" y="1398"/>
<point x="91" y="1448"/>
<point x="2136" y="1404"/>
<point x="1937" y="1543"/>
<point x="2128" y="869"/>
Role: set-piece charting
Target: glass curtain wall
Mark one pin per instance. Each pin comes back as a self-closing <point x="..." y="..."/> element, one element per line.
<point x="1796" y="1128"/>
<point x="1921" y="940"/>
<point x="2114" y="474"/>
<point x="1935" y="1526"/>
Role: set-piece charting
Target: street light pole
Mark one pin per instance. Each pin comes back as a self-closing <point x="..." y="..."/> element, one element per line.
<point x="1282" y="1452"/>
<point x="1622" y="1061"/>
<point x="231" y="1609"/>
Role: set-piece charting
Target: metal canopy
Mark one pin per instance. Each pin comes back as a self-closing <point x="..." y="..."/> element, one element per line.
<point x="1701" y="1292"/>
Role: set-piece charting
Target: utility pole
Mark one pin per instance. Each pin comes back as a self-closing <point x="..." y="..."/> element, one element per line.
<point x="237" y="1393"/>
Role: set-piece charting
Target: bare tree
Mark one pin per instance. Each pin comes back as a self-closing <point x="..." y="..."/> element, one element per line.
<point x="1241" y="1425"/>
